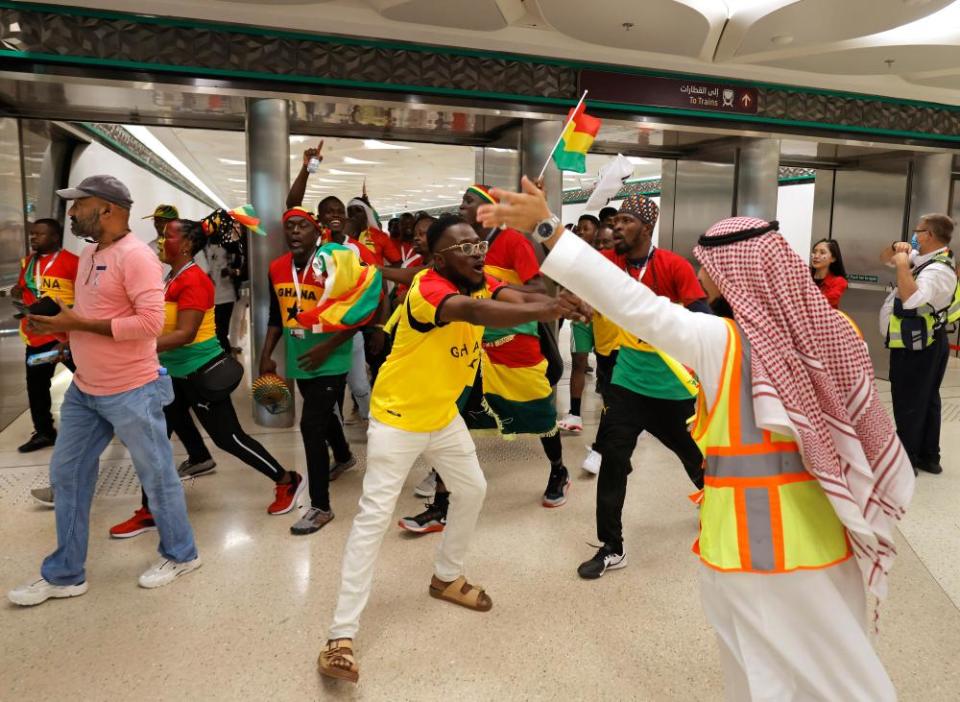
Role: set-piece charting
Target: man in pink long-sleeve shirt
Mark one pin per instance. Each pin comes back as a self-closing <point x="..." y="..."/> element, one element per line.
<point x="117" y="389"/>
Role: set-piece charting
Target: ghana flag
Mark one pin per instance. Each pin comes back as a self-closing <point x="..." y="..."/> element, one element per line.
<point x="570" y="154"/>
<point x="351" y="291"/>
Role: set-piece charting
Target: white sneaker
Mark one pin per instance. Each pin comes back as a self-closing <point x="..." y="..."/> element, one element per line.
<point x="428" y="486"/>
<point x="591" y="463"/>
<point x="40" y="591"/>
<point x="165" y="571"/>
<point x="571" y="423"/>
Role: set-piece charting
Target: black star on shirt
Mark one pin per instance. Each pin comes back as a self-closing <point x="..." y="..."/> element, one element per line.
<point x="292" y="312"/>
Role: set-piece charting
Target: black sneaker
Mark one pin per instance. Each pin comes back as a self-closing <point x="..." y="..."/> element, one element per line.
<point x="934" y="467"/>
<point x="557" y="487"/>
<point x="605" y="559"/>
<point x="432" y="519"/>
<point x="38" y="441"/>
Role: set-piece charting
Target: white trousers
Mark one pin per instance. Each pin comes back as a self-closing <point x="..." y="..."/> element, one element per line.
<point x="794" y="637"/>
<point x="390" y="455"/>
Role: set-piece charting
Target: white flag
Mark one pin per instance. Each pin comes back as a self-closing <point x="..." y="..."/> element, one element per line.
<point x="611" y="178"/>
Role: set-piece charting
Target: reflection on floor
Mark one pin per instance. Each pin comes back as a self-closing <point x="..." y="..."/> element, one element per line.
<point x="250" y="623"/>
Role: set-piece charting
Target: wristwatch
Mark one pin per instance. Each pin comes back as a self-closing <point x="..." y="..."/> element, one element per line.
<point x="545" y="228"/>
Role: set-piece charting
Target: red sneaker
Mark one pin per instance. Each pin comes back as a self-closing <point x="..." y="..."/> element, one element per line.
<point x="140" y="522"/>
<point x="287" y="495"/>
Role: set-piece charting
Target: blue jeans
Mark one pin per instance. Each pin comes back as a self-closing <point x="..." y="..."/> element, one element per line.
<point x="357" y="378"/>
<point x="87" y="424"/>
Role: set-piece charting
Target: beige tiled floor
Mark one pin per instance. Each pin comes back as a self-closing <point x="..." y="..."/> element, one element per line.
<point x="249" y="624"/>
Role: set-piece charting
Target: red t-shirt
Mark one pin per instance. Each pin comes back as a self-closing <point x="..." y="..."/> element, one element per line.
<point x="56" y="273"/>
<point x="833" y="287"/>
<point x="511" y="258"/>
<point x="667" y="273"/>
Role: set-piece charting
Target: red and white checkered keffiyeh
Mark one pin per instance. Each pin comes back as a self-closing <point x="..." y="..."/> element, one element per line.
<point x="811" y="361"/>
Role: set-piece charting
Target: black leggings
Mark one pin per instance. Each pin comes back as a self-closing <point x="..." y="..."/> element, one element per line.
<point x="320" y="426"/>
<point x="220" y="421"/>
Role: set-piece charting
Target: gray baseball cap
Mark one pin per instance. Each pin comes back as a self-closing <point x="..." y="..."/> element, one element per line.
<point x="103" y="186"/>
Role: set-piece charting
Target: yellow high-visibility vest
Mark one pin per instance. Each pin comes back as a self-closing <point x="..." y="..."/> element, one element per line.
<point x="762" y="511"/>
<point x="914" y="329"/>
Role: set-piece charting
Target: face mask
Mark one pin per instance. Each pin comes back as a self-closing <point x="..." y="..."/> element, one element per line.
<point x="915" y="243"/>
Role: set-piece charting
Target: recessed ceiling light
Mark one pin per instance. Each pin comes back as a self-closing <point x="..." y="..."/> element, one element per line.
<point x="237" y="180"/>
<point x="465" y="179"/>
<point x="232" y="162"/>
<point x="359" y="161"/>
<point x="781" y="39"/>
<point x="335" y="171"/>
<point x="377" y="144"/>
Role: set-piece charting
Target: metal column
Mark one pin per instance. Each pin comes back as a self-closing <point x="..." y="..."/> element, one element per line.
<point x="757" y="170"/>
<point x="268" y="179"/>
<point x="536" y="140"/>
<point x="930" y="185"/>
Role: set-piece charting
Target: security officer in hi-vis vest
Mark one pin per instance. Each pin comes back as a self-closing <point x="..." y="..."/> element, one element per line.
<point x="914" y="320"/>
<point x="47" y="272"/>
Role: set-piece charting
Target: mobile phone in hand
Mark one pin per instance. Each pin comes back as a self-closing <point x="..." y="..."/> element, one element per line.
<point x="44" y="307"/>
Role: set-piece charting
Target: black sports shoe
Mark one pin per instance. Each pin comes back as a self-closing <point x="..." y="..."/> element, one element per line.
<point x="38" y="441"/>
<point x="557" y="487"/>
<point x="933" y="467"/>
<point x="605" y="559"/>
<point x="432" y="519"/>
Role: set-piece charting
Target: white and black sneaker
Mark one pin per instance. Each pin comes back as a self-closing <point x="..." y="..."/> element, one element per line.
<point x="606" y="558"/>
<point x="188" y="470"/>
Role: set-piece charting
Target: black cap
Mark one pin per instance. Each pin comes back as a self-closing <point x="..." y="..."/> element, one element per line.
<point x="103" y="186"/>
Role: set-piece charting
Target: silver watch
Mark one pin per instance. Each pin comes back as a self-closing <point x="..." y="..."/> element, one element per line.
<point x="545" y="228"/>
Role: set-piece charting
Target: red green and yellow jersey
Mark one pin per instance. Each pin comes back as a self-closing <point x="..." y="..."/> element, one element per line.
<point x="511" y="260"/>
<point x="296" y="292"/>
<point x="380" y="245"/>
<point x="433" y="364"/>
<point x="50" y="275"/>
<point x="190" y="289"/>
<point x="640" y="367"/>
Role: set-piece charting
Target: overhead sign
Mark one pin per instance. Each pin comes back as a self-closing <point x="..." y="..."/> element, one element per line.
<point x="863" y="278"/>
<point x="631" y="89"/>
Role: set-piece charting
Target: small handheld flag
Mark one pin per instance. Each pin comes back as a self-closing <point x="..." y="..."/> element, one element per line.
<point x="576" y="138"/>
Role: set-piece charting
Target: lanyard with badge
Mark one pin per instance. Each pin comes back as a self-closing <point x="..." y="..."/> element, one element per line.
<point x="297" y="281"/>
<point x="646" y="263"/>
<point x="37" y="274"/>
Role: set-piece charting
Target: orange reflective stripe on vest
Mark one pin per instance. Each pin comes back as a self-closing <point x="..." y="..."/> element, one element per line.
<point x="762" y="511"/>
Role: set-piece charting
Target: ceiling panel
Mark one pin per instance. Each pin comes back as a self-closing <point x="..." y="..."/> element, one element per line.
<point x="819" y="22"/>
<point x="876" y="60"/>
<point x="662" y="26"/>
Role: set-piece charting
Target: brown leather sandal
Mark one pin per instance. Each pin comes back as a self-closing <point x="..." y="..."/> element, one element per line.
<point x="462" y="593"/>
<point x="337" y="661"/>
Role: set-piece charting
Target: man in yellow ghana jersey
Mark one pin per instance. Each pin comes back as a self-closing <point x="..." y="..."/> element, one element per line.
<point x="48" y="271"/>
<point x="414" y="410"/>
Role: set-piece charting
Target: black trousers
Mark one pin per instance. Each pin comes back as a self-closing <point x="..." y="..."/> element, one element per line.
<point x="38" y="388"/>
<point x="221" y="321"/>
<point x="320" y="426"/>
<point x="220" y="421"/>
<point x="605" y="366"/>
<point x="915" y="378"/>
<point x="374" y="360"/>
<point x="625" y="415"/>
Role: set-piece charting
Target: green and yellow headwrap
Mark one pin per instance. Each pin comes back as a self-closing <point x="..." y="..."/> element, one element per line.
<point x="483" y="192"/>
